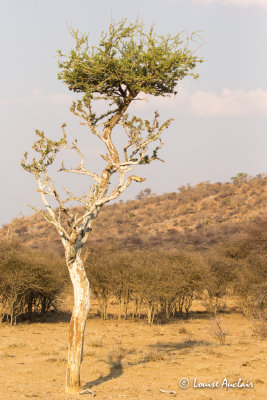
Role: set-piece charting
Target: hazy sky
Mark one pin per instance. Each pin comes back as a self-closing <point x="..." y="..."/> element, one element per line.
<point x="220" y="119"/>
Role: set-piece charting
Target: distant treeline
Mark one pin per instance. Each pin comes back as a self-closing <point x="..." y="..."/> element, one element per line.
<point x="164" y="284"/>
<point x="155" y="285"/>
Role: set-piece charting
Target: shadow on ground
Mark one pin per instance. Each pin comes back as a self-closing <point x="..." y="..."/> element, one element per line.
<point x="187" y="344"/>
<point x="163" y="352"/>
<point x="116" y="370"/>
<point x="58" y="316"/>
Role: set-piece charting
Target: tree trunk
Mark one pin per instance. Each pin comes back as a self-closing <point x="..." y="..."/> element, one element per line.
<point x="11" y="316"/>
<point x="168" y="310"/>
<point x="120" y="308"/>
<point x="30" y="301"/>
<point x="105" y="309"/>
<point x="77" y="324"/>
<point x="44" y="308"/>
<point x="126" y="308"/>
<point x="150" y="314"/>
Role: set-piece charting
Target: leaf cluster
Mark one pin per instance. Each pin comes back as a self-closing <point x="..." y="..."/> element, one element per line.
<point x="126" y="62"/>
<point x="47" y="149"/>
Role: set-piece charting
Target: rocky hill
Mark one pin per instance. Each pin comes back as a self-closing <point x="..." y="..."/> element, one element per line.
<point x="195" y="217"/>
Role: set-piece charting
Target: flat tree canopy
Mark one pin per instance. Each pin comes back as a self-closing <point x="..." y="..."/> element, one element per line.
<point x="127" y="61"/>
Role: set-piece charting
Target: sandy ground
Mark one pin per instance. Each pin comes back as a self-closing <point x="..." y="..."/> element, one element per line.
<point x="33" y="360"/>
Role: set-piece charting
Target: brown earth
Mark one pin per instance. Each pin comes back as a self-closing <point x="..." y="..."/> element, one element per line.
<point x="196" y="217"/>
<point x="130" y="360"/>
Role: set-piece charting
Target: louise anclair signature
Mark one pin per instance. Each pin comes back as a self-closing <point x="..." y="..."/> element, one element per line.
<point x="225" y="383"/>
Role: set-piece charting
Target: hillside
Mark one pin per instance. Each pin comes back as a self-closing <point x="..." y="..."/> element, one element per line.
<point x="198" y="216"/>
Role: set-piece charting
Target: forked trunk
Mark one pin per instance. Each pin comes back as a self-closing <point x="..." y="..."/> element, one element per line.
<point x="77" y="324"/>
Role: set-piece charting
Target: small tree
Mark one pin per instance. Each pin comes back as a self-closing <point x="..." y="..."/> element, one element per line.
<point x="241" y="177"/>
<point x="28" y="280"/>
<point x="98" y="267"/>
<point x="127" y="62"/>
<point x="219" y="277"/>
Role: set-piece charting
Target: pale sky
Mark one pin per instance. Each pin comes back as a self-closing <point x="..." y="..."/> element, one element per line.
<point x="220" y="119"/>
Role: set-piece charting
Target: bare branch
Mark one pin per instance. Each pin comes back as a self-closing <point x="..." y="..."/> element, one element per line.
<point x="77" y="109"/>
<point x="120" y="187"/>
<point x="80" y="169"/>
<point x="51" y="212"/>
<point x="39" y="211"/>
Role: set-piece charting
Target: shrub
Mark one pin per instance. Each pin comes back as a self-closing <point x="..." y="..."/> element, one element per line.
<point x="28" y="281"/>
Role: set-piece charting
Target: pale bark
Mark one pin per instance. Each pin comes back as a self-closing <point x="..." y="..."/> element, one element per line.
<point x="77" y="324"/>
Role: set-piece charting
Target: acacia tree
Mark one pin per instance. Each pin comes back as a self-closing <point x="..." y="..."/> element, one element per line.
<point x="127" y="62"/>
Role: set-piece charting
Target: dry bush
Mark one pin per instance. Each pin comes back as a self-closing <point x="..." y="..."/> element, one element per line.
<point x="160" y="284"/>
<point x="218" y="331"/>
<point x="116" y="356"/>
<point x="100" y="265"/>
<point x="251" y="284"/>
<point x="219" y="277"/>
<point x="155" y="355"/>
<point x="28" y="281"/>
<point x="259" y="327"/>
<point x="256" y="232"/>
<point x="183" y="330"/>
<point x="96" y="342"/>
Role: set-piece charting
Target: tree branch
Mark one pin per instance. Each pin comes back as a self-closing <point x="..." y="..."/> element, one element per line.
<point x="121" y="186"/>
<point x="80" y="169"/>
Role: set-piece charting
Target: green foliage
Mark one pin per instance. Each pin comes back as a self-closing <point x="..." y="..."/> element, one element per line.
<point x="47" y="150"/>
<point x="141" y="133"/>
<point x="241" y="177"/>
<point x="127" y="61"/>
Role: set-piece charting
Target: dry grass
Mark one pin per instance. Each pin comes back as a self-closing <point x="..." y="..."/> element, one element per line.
<point x="96" y="342"/>
<point x="16" y="345"/>
<point x="6" y="355"/>
<point x="217" y="330"/>
<point x="155" y="355"/>
<point x="259" y="328"/>
<point x="132" y="360"/>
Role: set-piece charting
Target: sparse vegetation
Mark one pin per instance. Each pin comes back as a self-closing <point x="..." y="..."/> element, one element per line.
<point x="218" y="331"/>
<point x="195" y="217"/>
<point x="230" y="276"/>
<point x="135" y="283"/>
<point x="29" y="282"/>
<point x="260" y="326"/>
<point x="139" y="365"/>
<point x="159" y="284"/>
